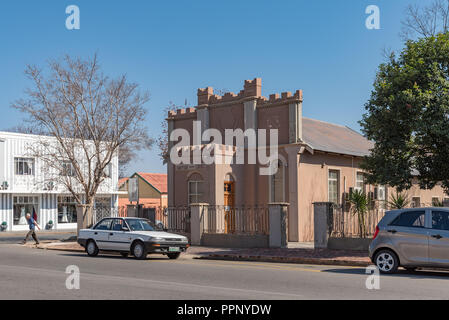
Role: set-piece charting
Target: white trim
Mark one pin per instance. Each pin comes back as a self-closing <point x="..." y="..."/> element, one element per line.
<point x="338" y="184"/>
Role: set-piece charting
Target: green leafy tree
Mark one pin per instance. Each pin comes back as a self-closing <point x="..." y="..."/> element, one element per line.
<point x="408" y="117"/>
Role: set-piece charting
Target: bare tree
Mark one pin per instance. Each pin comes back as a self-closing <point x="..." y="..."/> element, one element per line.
<point x="85" y="119"/>
<point x="162" y="140"/>
<point x="426" y="21"/>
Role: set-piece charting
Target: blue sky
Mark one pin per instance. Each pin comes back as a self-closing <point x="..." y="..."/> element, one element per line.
<point x="171" y="48"/>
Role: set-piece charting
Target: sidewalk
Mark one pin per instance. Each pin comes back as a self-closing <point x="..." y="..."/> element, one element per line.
<point x="7" y="234"/>
<point x="300" y="256"/>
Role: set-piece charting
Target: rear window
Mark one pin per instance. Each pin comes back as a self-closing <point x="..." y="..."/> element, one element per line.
<point x="440" y="220"/>
<point x="412" y="219"/>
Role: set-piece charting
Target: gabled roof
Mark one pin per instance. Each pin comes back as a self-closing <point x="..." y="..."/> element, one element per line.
<point x="122" y="181"/>
<point x="329" y="137"/>
<point x="156" y="180"/>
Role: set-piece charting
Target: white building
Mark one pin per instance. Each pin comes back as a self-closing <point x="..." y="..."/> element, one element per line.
<point x="23" y="186"/>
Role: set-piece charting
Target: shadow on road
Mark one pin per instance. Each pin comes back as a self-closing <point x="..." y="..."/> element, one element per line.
<point x="111" y="256"/>
<point x="419" y="274"/>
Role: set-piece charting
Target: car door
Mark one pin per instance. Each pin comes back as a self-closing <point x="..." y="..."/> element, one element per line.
<point x="101" y="234"/>
<point x="119" y="239"/>
<point x="410" y="237"/>
<point x="439" y="238"/>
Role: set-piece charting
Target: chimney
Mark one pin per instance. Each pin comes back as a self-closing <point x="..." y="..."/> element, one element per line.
<point x="204" y="95"/>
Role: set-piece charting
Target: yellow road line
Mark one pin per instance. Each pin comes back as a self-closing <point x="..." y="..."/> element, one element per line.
<point x="239" y="264"/>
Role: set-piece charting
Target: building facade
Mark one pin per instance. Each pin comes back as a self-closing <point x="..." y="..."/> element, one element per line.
<point x="152" y="190"/>
<point x="25" y="185"/>
<point x="318" y="161"/>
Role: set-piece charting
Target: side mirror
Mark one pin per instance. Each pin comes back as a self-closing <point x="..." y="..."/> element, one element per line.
<point x="125" y="229"/>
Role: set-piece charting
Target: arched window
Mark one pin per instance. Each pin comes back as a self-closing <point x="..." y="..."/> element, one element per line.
<point x="277" y="184"/>
<point x="196" y="188"/>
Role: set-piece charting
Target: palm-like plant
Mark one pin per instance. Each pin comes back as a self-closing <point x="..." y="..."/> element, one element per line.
<point x="359" y="207"/>
<point x="399" y="201"/>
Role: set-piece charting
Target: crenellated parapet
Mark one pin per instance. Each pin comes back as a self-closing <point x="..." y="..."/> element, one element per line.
<point x="283" y="98"/>
<point x="188" y="112"/>
<point x="252" y="90"/>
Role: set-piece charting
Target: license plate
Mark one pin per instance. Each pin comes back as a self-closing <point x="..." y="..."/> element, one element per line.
<point x="174" y="249"/>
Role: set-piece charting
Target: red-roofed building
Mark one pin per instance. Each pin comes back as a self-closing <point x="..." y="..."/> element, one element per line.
<point x="152" y="190"/>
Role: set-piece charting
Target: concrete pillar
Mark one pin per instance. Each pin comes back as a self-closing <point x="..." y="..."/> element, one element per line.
<point x="278" y="225"/>
<point x="322" y="213"/>
<point x="198" y="212"/>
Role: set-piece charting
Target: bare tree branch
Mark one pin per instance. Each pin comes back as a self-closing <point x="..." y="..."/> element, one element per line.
<point x="426" y="21"/>
<point x="89" y="117"/>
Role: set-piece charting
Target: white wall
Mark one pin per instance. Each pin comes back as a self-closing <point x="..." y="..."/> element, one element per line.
<point x="16" y="145"/>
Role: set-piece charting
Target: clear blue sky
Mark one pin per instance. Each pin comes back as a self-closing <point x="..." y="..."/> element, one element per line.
<point x="171" y="48"/>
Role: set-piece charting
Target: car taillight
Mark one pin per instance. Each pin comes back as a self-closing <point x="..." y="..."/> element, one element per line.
<point x="376" y="233"/>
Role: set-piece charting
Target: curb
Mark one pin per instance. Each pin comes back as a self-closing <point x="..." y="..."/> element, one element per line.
<point x="313" y="261"/>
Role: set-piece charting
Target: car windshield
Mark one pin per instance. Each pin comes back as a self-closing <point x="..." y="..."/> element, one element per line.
<point x="140" y="225"/>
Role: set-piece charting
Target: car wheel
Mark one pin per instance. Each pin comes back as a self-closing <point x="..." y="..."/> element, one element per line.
<point x="139" y="251"/>
<point x="387" y="261"/>
<point x="124" y="254"/>
<point x="92" y="249"/>
<point x="173" y="255"/>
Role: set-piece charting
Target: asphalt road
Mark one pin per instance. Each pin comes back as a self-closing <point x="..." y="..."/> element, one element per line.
<point x="27" y="273"/>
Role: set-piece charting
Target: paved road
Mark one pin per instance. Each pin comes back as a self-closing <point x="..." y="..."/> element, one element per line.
<point x="40" y="274"/>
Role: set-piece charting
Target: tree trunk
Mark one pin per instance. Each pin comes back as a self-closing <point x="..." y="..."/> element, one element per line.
<point x="84" y="214"/>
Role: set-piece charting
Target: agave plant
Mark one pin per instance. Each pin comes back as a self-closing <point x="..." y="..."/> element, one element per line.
<point x="399" y="201"/>
<point x="359" y="206"/>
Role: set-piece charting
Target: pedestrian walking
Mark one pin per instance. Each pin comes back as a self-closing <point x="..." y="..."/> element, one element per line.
<point x="32" y="224"/>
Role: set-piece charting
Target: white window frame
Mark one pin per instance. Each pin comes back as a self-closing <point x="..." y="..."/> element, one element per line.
<point x="190" y="194"/>
<point x="383" y="200"/>
<point x="357" y="181"/>
<point x="67" y="169"/>
<point x="19" y="199"/>
<point x="23" y="160"/>
<point x="338" y="185"/>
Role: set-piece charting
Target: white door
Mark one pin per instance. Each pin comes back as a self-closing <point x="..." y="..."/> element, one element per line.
<point x="118" y="239"/>
<point x="101" y="234"/>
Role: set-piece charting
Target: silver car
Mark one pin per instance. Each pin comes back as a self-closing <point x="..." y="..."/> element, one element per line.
<point x="411" y="238"/>
<point x="135" y="236"/>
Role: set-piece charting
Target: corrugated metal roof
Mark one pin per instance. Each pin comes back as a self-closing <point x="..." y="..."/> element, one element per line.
<point x="157" y="180"/>
<point x="329" y="137"/>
